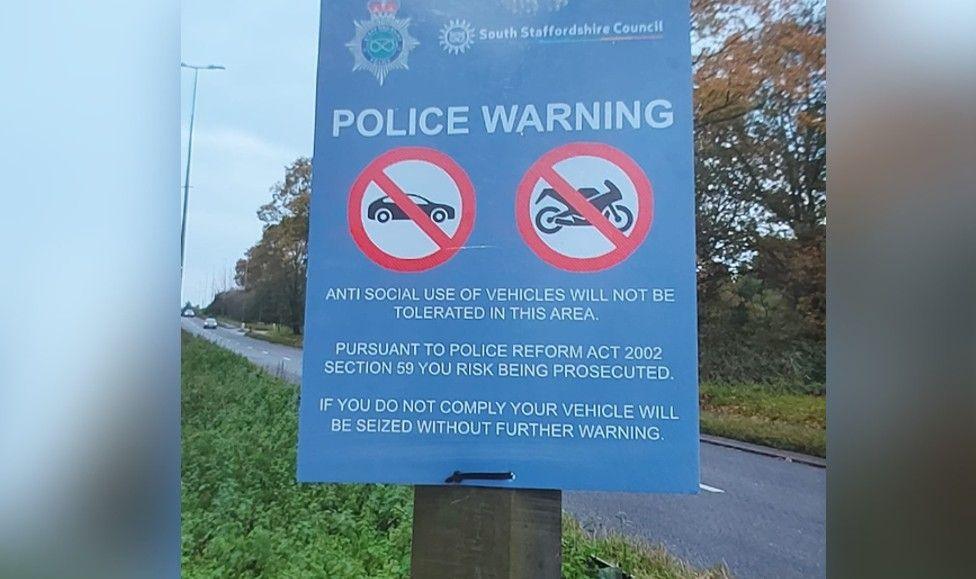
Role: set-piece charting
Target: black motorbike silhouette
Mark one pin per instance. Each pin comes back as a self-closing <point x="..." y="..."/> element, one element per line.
<point x="551" y="219"/>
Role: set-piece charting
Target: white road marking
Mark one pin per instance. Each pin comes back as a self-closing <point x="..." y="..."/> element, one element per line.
<point x="265" y="352"/>
<point x="709" y="489"/>
<point x="286" y="358"/>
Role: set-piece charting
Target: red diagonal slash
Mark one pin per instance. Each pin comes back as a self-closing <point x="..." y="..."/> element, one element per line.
<point x="415" y="213"/>
<point x="576" y="200"/>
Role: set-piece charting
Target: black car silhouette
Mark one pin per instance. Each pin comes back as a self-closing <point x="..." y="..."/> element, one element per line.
<point x="385" y="209"/>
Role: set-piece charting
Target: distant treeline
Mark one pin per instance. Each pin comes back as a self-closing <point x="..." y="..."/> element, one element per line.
<point x="760" y="139"/>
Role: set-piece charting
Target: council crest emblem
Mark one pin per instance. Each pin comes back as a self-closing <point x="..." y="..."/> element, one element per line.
<point x="457" y="36"/>
<point x="382" y="43"/>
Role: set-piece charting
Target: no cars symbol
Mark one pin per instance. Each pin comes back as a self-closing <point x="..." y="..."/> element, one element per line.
<point x="411" y="209"/>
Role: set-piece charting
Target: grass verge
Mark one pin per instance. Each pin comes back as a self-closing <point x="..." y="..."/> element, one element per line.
<point x="274" y="333"/>
<point x="285" y="338"/>
<point x="766" y="415"/>
<point x="245" y="516"/>
<point x="640" y="560"/>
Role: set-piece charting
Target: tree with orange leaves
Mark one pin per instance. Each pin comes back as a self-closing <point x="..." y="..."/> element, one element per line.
<point x="760" y="111"/>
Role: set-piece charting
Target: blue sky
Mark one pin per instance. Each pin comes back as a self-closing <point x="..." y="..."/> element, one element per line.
<point x="252" y="120"/>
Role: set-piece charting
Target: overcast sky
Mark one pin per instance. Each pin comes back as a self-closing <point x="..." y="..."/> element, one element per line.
<point x="252" y="120"/>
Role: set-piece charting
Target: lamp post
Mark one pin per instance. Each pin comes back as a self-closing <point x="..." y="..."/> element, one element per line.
<point x="189" y="151"/>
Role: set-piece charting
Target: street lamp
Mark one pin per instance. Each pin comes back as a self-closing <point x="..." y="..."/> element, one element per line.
<point x="189" y="150"/>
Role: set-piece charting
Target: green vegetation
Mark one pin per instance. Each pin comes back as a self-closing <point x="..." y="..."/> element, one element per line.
<point x="245" y="516"/>
<point x="768" y="415"/>
<point x="243" y="513"/>
<point x="269" y="332"/>
<point x="638" y="560"/>
<point x="274" y="333"/>
<point x="278" y="338"/>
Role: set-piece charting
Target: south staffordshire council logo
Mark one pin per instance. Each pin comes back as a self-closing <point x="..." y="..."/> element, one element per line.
<point x="457" y="36"/>
<point x="382" y="43"/>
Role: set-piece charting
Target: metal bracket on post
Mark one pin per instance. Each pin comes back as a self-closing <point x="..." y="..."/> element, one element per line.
<point x="491" y="533"/>
<point x="459" y="477"/>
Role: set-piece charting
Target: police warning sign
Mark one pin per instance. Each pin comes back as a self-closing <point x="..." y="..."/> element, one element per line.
<point x="501" y="273"/>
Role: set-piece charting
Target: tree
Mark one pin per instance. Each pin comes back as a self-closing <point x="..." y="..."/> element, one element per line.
<point x="274" y="270"/>
<point x="795" y="267"/>
<point x="760" y="140"/>
<point x="760" y="113"/>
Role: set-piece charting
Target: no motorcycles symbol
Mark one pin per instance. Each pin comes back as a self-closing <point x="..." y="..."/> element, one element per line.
<point x="584" y="207"/>
<point x="411" y="209"/>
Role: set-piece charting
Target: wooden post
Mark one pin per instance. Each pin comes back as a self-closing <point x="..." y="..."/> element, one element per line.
<point x="488" y="533"/>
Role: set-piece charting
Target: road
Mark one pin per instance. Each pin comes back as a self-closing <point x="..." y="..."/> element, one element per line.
<point x="761" y="516"/>
<point x="281" y="360"/>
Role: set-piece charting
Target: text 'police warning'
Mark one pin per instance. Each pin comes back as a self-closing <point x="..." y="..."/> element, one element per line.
<point x="548" y="118"/>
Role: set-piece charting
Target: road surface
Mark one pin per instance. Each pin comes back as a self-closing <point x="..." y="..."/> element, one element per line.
<point x="761" y="516"/>
<point x="281" y="360"/>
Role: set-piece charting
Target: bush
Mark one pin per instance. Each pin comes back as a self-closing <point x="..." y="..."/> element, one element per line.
<point x="749" y="332"/>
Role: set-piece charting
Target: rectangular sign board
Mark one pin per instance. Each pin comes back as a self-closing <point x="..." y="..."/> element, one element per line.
<point x="501" y="272"/>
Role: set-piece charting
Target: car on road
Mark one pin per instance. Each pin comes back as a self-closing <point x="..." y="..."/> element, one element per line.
<point x="189" y="313"/>
<point x="385" y="209"/>
<point x="210" y="324"/>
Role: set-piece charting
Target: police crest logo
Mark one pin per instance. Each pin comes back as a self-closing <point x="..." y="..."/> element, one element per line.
<point x="383" y="43"/>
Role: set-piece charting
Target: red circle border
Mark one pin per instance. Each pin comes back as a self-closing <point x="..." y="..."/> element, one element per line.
<point x="443" y="254"/>
<point x="645" y="195"/>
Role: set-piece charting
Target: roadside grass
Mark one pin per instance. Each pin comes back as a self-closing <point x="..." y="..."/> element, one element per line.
<point x="767" y="415"/>
<point x="275" y="335"/>
<point x="243" y="514"/>
<point x="640" y="560"/>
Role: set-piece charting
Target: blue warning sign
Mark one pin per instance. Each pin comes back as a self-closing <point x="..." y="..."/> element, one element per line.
<point x="501" y="274"/>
